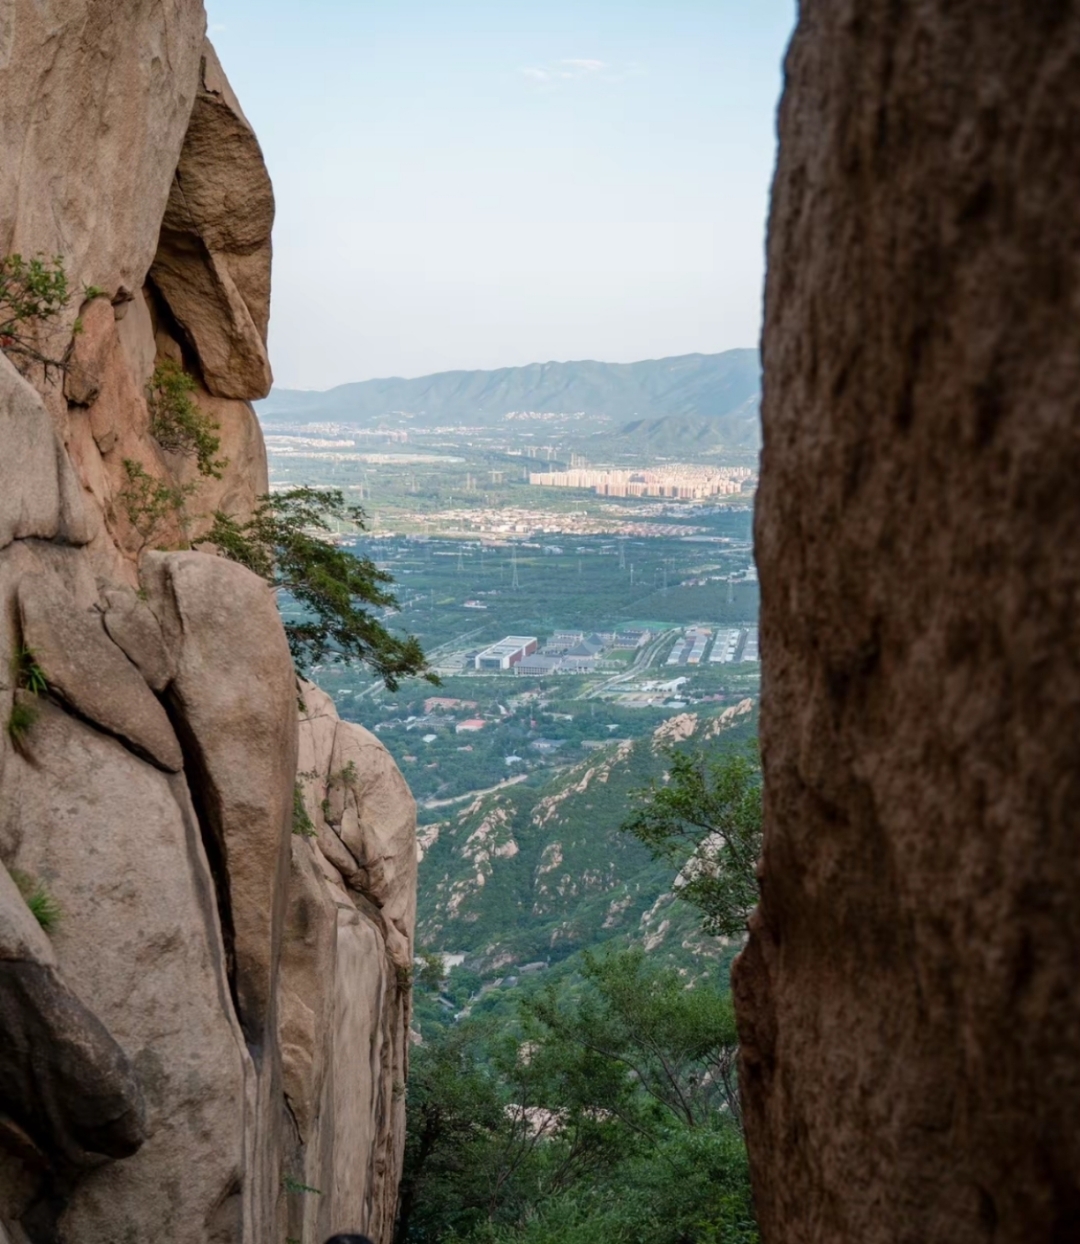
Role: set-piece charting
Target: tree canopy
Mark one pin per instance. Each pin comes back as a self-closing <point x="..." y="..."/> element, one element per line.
<point x="606" y="1114"/>
<point x="705" y="819"/>
<point x="286" y="540"/>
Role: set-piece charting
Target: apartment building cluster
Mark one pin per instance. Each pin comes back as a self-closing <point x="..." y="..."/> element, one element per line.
<point x="683" y="482"/>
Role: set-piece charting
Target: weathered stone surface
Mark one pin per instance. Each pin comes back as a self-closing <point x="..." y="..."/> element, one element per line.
<point x="63" y="1080"/>
<point x="94" y="104"/>
<point x="245" y="478"/>
<point x="245" y="982"/>
<point x="234" y="698"/>
<point x="908" y="999"/>
<point x="117" y="842"/>
<point x="132" y="626"/>
<point x="86" y="670"/>
<point x="213" y="260"/>
<point x="39" y="494"/>
<point x="345" y="1010"/>
<point x="82" y="379"/>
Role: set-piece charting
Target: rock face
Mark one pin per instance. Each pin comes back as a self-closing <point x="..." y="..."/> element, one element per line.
<point x="215" y="1020"/>
<point x="908" y="999"/>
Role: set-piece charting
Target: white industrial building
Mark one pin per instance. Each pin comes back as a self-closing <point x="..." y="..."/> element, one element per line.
<point x="506" y="653"/>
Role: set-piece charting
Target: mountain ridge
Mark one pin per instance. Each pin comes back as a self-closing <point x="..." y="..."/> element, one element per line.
<point x="705" y="386"/>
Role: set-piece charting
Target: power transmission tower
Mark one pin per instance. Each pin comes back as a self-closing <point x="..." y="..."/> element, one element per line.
<point x="622" y="554"/>
<point x="514" y="584"/>
<point x="460" y="563"/>
<point x="730" y="590"/>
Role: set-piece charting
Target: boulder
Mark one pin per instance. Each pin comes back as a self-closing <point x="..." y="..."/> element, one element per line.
<point x="39" y="493"/>
<point x="64" y="1081"/>
<point x="90" y="674"/>
<point x="907" y="1002"/>
<point x="132" y="626"/>
<point x="94" y="104"/>
<point x="345" y="1004"/>
<point x="212" y="265"/>
<point x="234" y="700"/>
<point x="117" y="842"/>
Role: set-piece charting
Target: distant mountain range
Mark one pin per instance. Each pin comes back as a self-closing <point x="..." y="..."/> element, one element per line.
<point x="691" y="397"/>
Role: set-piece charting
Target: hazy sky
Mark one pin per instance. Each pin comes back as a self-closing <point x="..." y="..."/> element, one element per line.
<point x="483" y="183"/>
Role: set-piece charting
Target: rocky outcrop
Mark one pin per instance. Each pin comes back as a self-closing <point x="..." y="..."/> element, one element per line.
<point x="352" y="906"/>
<point x="214" y="1023"/>
<point x="908" y="1001"/>
<point x="213" y="259"/>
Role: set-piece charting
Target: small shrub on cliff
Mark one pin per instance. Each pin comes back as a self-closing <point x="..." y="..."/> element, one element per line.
<point x="177" y="423"/>
<point x="294" y="1187"/>
<point x="302" y="824"/>
<point x="28" y="673"/>
<point x="22" y="718"/>
<point x="149" y="503"/>
<point x="286" y="542"/>
<point x="32" y="292"/>
<point x="43" y="907"/>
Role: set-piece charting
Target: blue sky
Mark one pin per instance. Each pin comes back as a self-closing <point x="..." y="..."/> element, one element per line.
<point x="480" y="184"/>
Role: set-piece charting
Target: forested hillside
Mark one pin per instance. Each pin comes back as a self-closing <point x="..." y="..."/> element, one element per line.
<point x="528" y="875"/>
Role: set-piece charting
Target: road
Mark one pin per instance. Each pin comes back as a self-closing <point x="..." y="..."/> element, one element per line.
<point x="642" y="661"/>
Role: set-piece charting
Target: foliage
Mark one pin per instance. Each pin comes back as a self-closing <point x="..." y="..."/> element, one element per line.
<point x="177" y="423"/>
<point x="42" y="905"/>
<point x="22" y="717"/>
<point x="673" y="1044"/>
<point x="347" y="775"/>
<point x="431" y="972"/>
<point x="28" y="673"/>
<point x="149" y="503"/>
<point x="706" y="820"/>
<point x="285" y="542"/>
<point x="302" y="824"/>
<point x="572" y="1122"/>
<point x="295" y="1187"/>
<point x="32" y="292"/>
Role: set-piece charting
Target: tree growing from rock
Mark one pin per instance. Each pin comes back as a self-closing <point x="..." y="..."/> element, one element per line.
<point x="32" y="293"/>
<point x="177" y="423"/>
<point x="286" y="542"/>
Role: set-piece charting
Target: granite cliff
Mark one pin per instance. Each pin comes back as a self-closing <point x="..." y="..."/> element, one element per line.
<point x="907" y="1001"/>
<point x="210" y="1041"/>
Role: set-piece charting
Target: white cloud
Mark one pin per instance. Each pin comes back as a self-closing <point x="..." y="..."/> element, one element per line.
<point x="570" y="69"/>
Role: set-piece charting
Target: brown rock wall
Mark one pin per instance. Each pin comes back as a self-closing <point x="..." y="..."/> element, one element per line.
<point x="220" y="1007"/>
<point x="359" y="926"/>
<point x="907" y="1001"/>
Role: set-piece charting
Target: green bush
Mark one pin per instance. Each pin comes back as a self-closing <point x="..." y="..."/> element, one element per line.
<point x="28" y="673"/>
<point x="177" y="423"/>
<point x="43" y="907"/>
<point x="32" y="292"/>
<point x="149" y="503"/>
<point x="302" y="824"/>
<point x="22" y="718"/>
